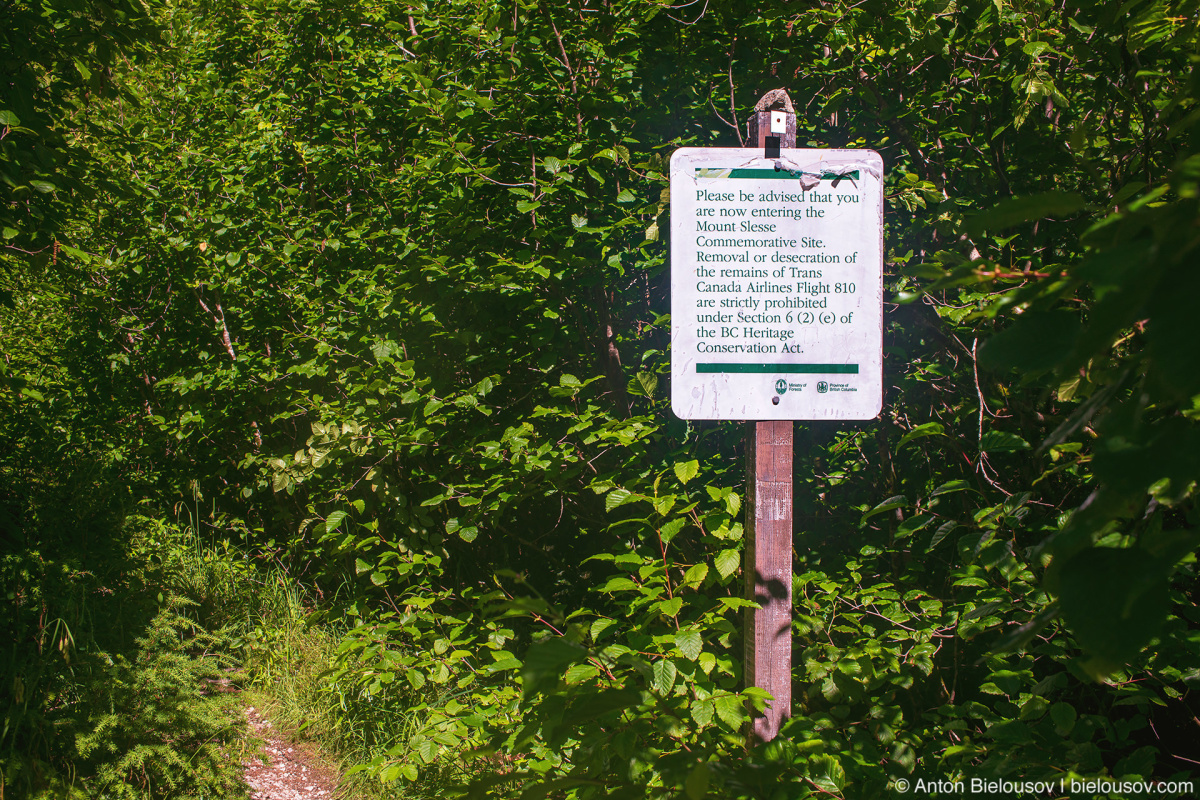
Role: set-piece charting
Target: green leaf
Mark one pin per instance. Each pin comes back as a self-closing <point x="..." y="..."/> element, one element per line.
<point x="944" y="530"/>
<point x="730" y="709"/>
<point x="670" y="529"/>
<point x="826" y="772"/>
<point x="664" y="504"/>
<point x="733" y="503"/>
<point x="664" y="676"/>
<point x="601" y="627"/>
<point x="727" y="562"/>
<point x="333" y="521"/>
<point x="10" y="119"/>
<point x="996" y="441"/>
<point x="689" y="643"/>
<point x="950" y="486"/>
<point x="696" y="574"/>
<point x="913" y="524"/>
<point x="618" y="497"/>
<point x="1064" y="716"/>
<point x="702" y="711"/>
<point x="578" y="673"/>
<point x="618" y="584"/>
<point x="1010" y="732"/>
<point x="892" y="503"/>
<point x="1016" y="210"/>
<point x="687" y="470"/>
<point x="1035" y="49"/>
<point x="1114" y="601"/>
<point x="927" y="429"/>
<point x="76" y="253"/>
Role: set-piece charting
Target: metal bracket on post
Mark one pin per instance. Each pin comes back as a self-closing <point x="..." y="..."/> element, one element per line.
<point x="768" y="566"/>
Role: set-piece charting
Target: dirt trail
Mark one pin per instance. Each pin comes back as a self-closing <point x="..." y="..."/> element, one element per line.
<point x="292" y="772"/>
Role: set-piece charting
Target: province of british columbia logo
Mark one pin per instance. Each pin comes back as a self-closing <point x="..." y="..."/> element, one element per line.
<point x="822" y="387"/>
<point x="780" y="386"/>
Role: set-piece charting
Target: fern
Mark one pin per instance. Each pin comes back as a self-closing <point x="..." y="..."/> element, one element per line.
<point x="170" y="731"/>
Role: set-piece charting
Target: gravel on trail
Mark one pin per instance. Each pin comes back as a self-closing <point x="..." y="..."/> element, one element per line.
<point x="291" y="772"/>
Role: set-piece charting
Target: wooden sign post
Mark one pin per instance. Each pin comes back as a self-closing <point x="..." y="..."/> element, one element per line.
<point x="768" y="554"/>
<point x="776" y="315"/>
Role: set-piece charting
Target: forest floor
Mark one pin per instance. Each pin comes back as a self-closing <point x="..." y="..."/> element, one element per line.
<point x="283" y="769"/>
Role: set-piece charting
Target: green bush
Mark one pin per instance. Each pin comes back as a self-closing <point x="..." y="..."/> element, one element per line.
<point x="172" y="729"/>
<point x="382" y="290"/>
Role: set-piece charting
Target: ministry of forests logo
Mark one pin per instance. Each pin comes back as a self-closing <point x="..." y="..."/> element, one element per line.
<point x="780" y="386"/>
<point x="822" y="387"/>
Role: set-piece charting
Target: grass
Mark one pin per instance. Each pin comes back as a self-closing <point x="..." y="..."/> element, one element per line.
<point x="290" y="663"/>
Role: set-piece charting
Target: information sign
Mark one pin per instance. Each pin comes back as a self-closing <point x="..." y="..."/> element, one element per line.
<point x="776" y="284"/>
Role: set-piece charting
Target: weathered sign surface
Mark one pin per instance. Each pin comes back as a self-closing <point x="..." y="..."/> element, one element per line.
<point x="776" y="284"/>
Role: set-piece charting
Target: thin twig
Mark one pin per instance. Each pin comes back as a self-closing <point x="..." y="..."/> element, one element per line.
<point x="570" y="71"/>
<point x="479" y="174"/>
<point x="718" y="113"/>
<point x="219" y="318"/>
<point x="699" y="17"/>
<point x="732" y="106"/>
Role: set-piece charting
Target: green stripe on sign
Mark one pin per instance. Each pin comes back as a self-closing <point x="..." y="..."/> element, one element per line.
<point x="780" y="369"/>
<point x="771" y="174"/>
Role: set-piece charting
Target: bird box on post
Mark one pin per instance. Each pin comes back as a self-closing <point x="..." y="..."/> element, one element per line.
<point x="774" y="117"/>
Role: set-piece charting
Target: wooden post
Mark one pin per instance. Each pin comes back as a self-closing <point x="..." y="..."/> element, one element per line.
<point x="768" y="566"/>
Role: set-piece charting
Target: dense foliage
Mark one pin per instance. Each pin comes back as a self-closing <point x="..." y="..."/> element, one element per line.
<point x="335" y="343"/>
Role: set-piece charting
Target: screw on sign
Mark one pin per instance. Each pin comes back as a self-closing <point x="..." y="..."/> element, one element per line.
<point x="776" y="273"/>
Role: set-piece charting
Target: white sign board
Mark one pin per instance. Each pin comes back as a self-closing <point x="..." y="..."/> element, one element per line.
<point x="776" y="284"/>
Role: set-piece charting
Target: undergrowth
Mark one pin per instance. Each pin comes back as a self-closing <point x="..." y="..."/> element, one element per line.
<point x="379" y="698"/>
<point x="116" y="681"/>
<point x="171" y="730"/>
<point x="290" y="663"/>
